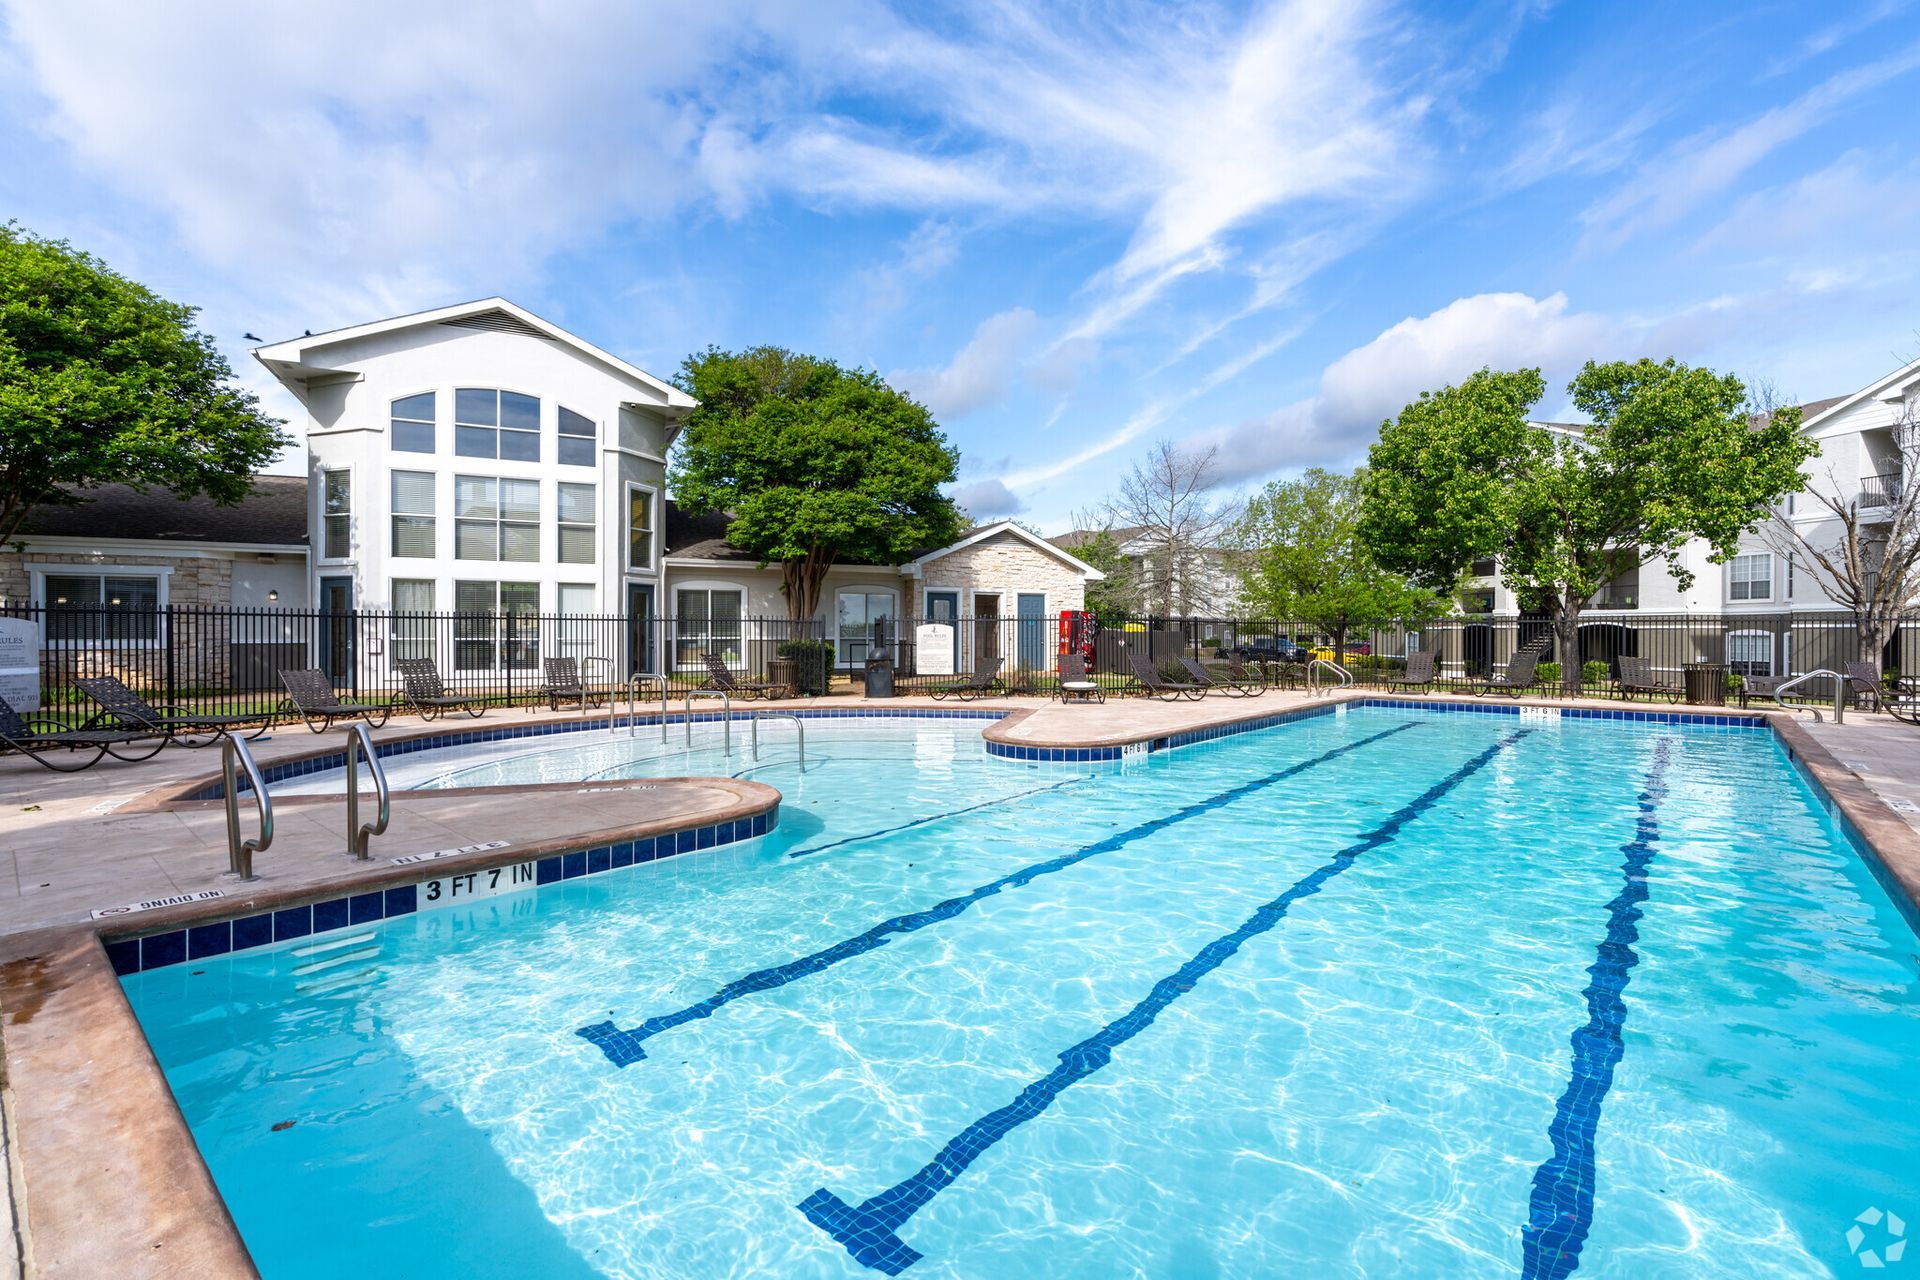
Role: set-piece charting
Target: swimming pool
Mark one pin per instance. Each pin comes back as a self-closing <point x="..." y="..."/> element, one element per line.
<point x="1378" y="992"/>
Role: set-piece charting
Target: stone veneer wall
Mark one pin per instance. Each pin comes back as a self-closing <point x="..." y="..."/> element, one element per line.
<point x="197" y="582"/>
<point x="1008" y="565"/>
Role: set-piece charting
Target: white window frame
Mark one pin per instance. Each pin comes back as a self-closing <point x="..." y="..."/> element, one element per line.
<point x="537" y="431"/>
<point x="857" y="589"/>
<point x="561" y="524"/>
<point x="499" y="520"/>
<point x="560" y="436"/>
<point x="395" y="515"/>
<point x="706" y="638"/>
<point x="1767" y="579"/>
<point x="397" y="644"/>
<point x="393" y="417"/>
<point x="38" y="573"/>
<point x="501" y="635"/>
<point x="652" y="568"/>
<point x="326" y="474"/>
<point x="1771" y="641"/>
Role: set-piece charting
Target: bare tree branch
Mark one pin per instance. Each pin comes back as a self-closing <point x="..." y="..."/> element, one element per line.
<point x="1168" y="498"/>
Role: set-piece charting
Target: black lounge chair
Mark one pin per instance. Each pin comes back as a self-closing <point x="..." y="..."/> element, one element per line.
<point x="1226" y="683"/>
<point x="1423" y="668"/>
<point x="981" y="683"/>
<point x="1254" y="681"/>
<point x="1637" y="676"/>
<point x="1156" y="685"/>
<point x="718" y="677"/>
<point x="427" y="694"/>
<point x="40" y="738"/>
<point x="1076" y="683"/>
<point x="1863" y="681"/>
<point x="1518" y="678"/>
<point x="123" y="709"/>
<point x="314" y="701"/>
<point x="564" y="685"/>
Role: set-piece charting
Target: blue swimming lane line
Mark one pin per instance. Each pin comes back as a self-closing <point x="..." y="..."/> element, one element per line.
<point x="868" y="1230"/>
<point x="1560" y="1211"/>
<point x="623" y="1047"/>
<point x="937" y="817"/>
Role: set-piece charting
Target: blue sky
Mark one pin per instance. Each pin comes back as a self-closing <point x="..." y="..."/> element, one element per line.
<point x="1074" y="232"/>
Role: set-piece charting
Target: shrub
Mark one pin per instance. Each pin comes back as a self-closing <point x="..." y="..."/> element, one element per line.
<point x="812" y="664"/>
<point x="1547" y="673"/>
<point x="1735" y="682"/>
<point x="1595" y="672"/>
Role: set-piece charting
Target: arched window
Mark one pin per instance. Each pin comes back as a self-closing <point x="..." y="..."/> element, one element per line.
<point x="411" y="425"/>
<point x="578" y="434"/>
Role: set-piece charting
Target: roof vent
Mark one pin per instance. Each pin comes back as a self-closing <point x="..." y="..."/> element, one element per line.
<point x="498" y="321"/>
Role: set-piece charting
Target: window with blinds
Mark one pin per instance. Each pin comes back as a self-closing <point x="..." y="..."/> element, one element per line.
<point x="413" y="515"/>
<point x="496" y="519"/>
<point x="576" y="524"/>
<point x="412" y="619"/>
<point x="337" y="496"/>
<point x="639" y="528"/>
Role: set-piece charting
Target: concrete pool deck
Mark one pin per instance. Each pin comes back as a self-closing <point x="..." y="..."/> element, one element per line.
<point x="105" y="1176"/>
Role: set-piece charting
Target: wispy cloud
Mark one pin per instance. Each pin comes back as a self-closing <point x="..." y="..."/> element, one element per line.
<point x="980" y="373"/>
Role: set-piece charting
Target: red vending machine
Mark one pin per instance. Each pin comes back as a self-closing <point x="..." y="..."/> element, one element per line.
<point x="1078" y="632"/>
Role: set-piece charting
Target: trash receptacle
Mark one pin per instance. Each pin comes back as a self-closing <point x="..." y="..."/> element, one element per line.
<point x="879" y="675"/>
<point x="1706" y="683"/>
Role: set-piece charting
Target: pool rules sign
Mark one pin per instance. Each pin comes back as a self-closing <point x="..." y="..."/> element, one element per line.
<point x="20" y="664"/>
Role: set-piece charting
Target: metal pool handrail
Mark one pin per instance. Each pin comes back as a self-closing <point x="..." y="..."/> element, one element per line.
<point x="360" y="835"/>
<point x="586" y="684"/>
<point x="1839" y="694"/>
<point x="726" y="720"/>
<point x="235" y="756"/>
<point x="798" y="728"/>
<point x="633" y="704"/>
<point x="1313" y="690"/>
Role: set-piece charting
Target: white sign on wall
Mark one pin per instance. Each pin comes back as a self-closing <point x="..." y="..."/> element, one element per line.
<point x="20" y="664"/>
<point x="933" y="649"/>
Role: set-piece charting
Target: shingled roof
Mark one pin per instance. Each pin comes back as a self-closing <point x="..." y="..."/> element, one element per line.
<point x="274" y="514"/>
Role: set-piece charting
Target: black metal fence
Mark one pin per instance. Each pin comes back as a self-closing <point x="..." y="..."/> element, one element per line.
<point x="226" y="661"/>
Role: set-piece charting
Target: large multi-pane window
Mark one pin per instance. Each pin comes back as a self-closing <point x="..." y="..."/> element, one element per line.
<point x="413" y="522"/>
<point x="496" y="624"/>
<point x="639" y="528"/>
<point x="577" y="436"/>
<point x="1750" y="653"/>
<point x="577" y="625"/>
<point x="496" y="519"/>
<point x="706" y="621"/>
<point x="412" y="618"/>
<point x="411" y="427"/>
<point x="863" y="619"/>
<point x="103" y="608"/>
<point x="337" y="518"/>
<point x="496" y="424"/>
<point x="576" y="523"/>
<point x="1750" y="577"/>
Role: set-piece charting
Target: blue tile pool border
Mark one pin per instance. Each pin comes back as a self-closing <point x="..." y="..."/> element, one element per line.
<point x="142" y="953"/>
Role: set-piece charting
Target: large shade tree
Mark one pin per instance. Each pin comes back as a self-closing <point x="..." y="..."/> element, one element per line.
<point x="1670" y="454"/>
<point x="1302" y="559"/>
<point x="813" y="464"/>
<point x="103" y="381"/>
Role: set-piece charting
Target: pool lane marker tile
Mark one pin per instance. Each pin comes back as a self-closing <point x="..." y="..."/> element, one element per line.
<point x="937" y="817"/>
<point x="869" y="1229"/>
<point x="1560" y="1210"/>
<point x="623" y="1045"/>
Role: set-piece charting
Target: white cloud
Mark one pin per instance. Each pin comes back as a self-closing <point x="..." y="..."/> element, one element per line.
<point x="985" y="500"/>
<point x="980" y="373"/>
<point x="1691" y="173"/>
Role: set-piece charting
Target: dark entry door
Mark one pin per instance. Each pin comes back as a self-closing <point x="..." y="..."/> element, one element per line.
<point x="639" y="627"/>
<point x="336" y="630"/>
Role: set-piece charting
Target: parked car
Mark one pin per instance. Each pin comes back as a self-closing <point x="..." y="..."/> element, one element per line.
<point x="1266" y="651"/>
<point x="1358" y="649"/>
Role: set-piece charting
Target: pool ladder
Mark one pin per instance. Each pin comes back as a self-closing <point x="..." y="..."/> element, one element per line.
<point x="726" y="717"/>
<point x="236" y="758"/>
<point x="1839" y="694"/>
<point x="799" y="729"/>
<point x="634" y="683"/>
<point x="1314" y="690"/>
<point x="360" y="835"/>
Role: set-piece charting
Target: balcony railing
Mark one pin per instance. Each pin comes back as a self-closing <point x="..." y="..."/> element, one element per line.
<point x="1880" y="491"/>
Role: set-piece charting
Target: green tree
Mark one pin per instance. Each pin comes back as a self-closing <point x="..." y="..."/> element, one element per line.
<point x="1116" y="597"/>
<point x="104" y="382"/>
<point x="814" y="464"/>
<point x="1670" y="455"/>
<point x="1302" y="560"/>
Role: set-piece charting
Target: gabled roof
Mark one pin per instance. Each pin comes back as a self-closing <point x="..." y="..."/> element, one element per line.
<point x="1906" y="374"/>
<point x="292" y="360"/>
<point x="980" y="533"/>
<point x="273" y="515"/>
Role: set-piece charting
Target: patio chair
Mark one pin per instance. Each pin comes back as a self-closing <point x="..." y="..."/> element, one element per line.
<point x="718" y="677"/>
<point x="1076" y="683"/>
<point x="1637" y="676"/>
<point x="1151" y="682"/>
<point x="1863" y="681"/>
<point x="1226" y="683"/>
<point x="123" y="709"/>
<point x="313" y="698"/>
<point x="1519" y="675"/>
<point x="986" y="674"/>
<point x="39" y="738"/>
<point x="564" y="685"/>
<point x="1255" y="682"/>
<point x="427" y="694"/>
<point x="1423" y="669"/>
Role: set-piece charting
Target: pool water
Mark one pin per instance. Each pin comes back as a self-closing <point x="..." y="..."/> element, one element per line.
<point x="1376" y="992"/>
